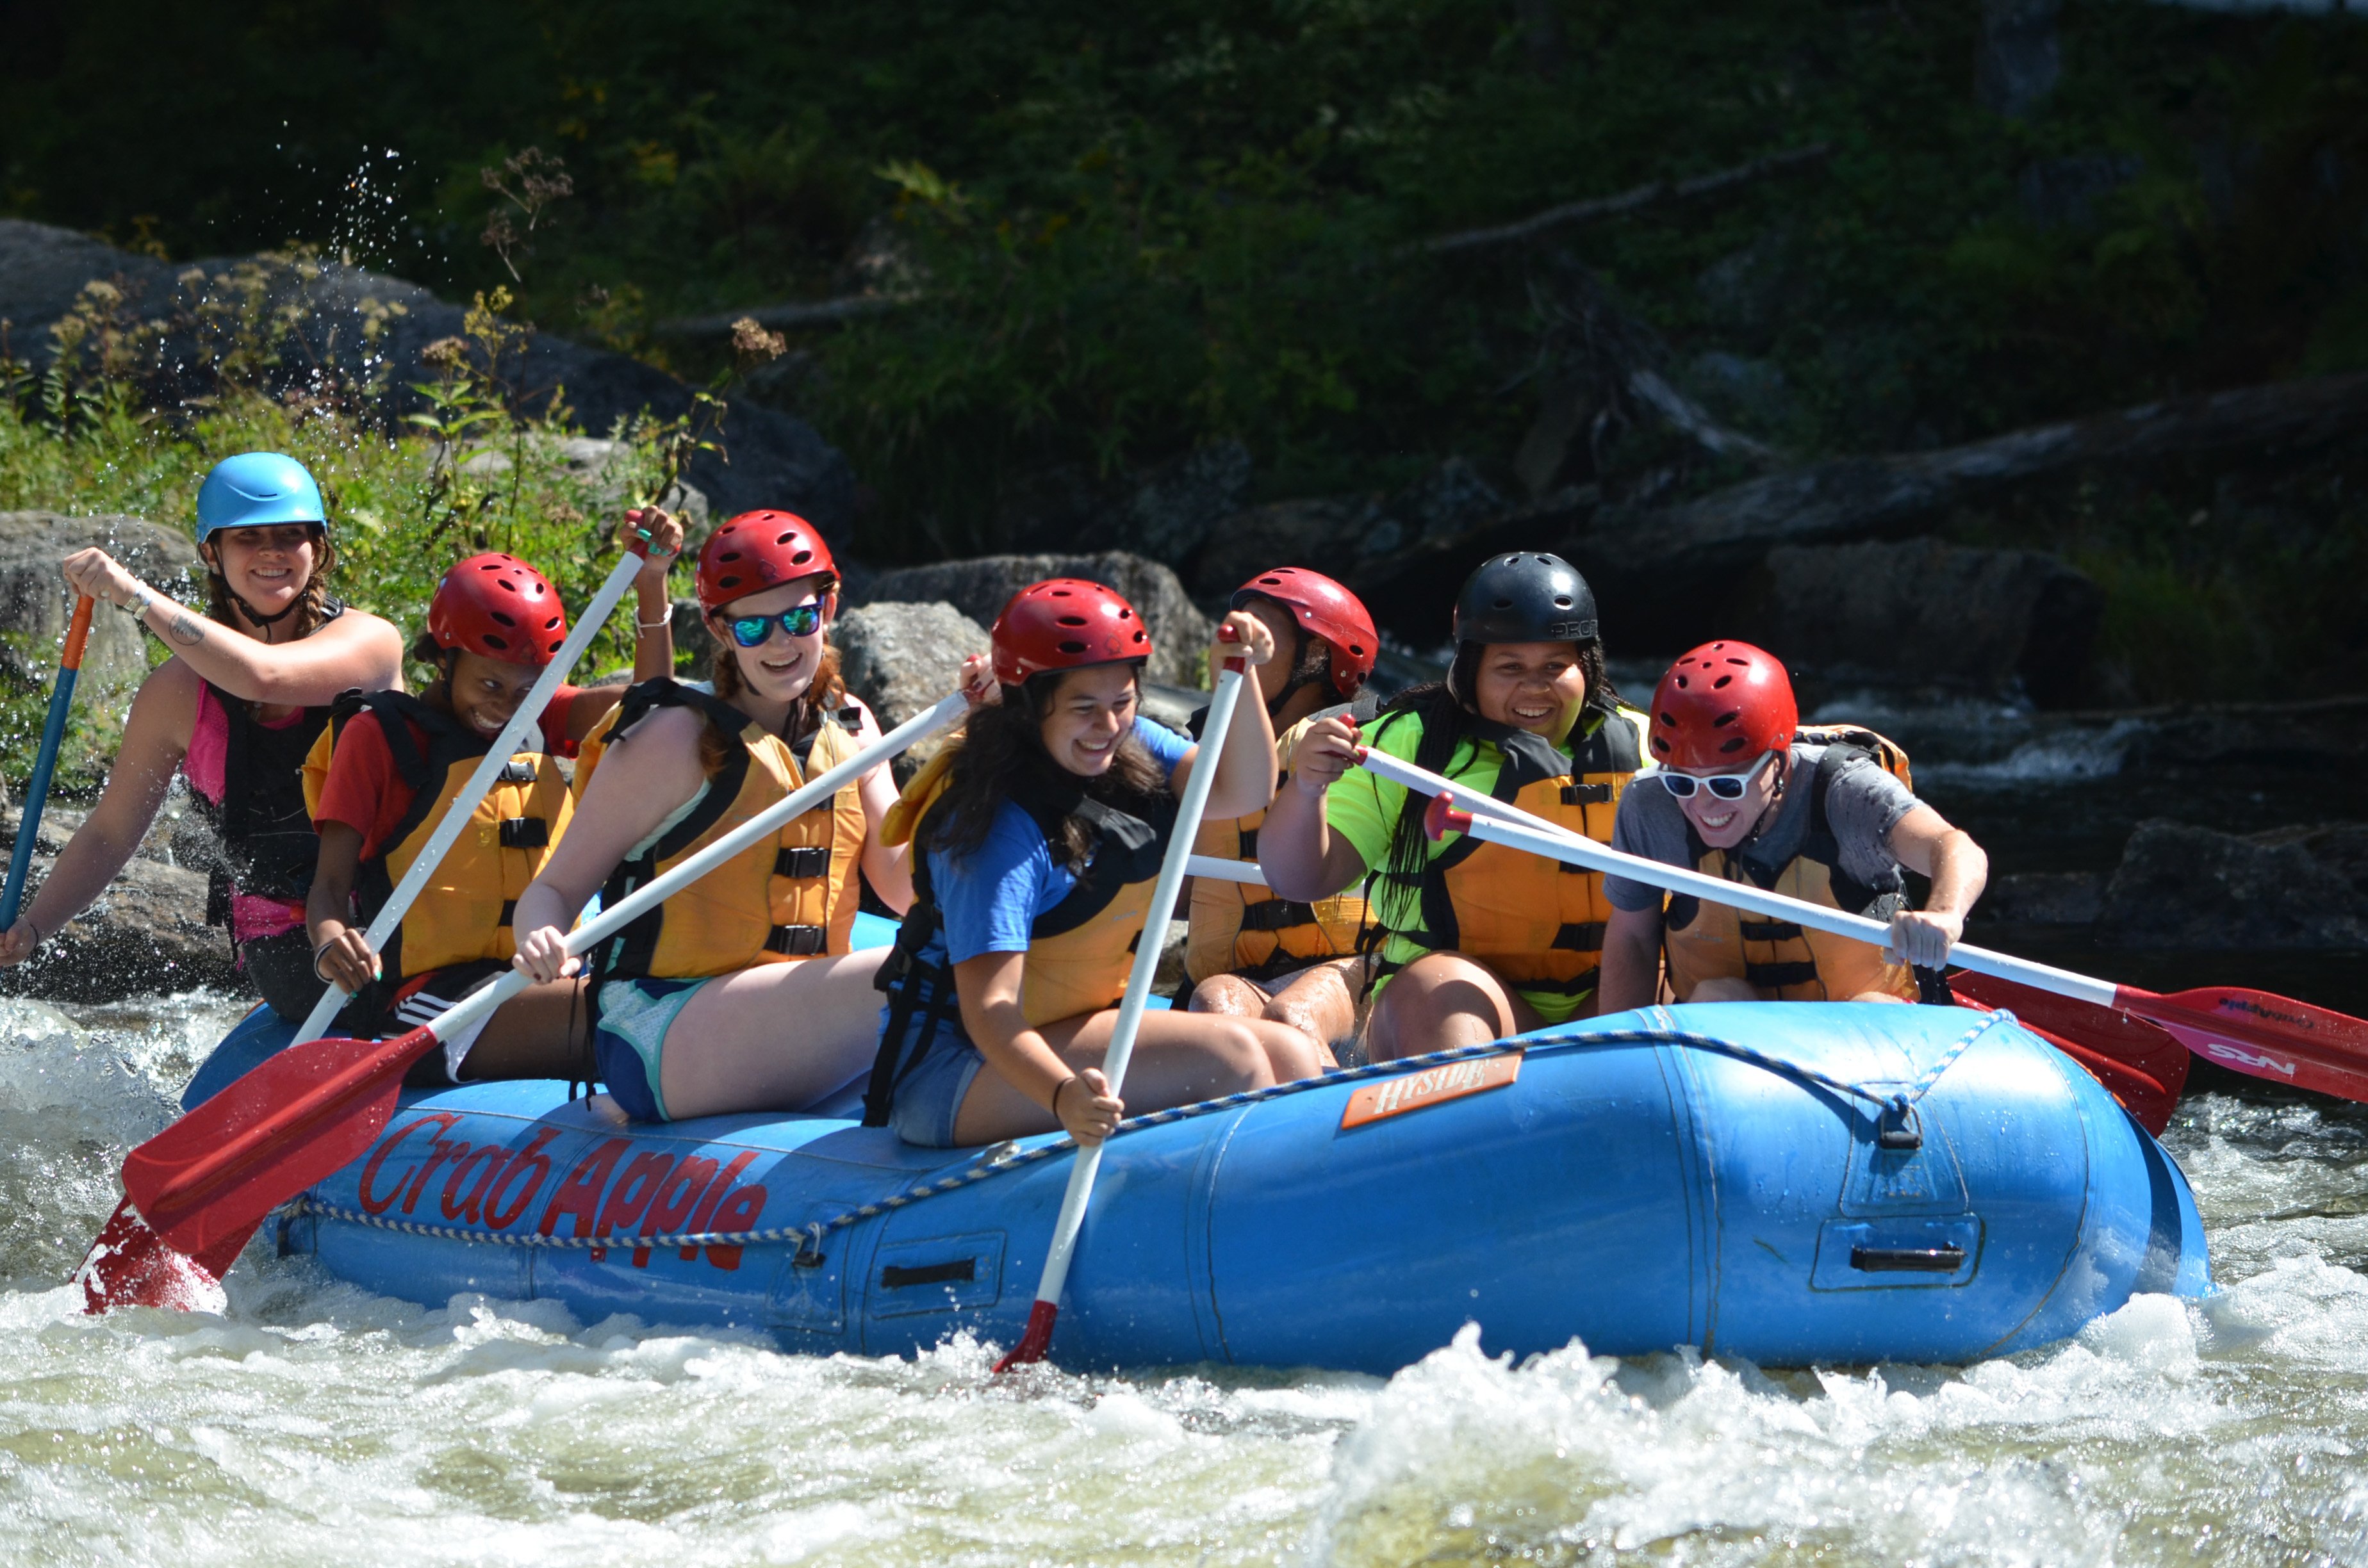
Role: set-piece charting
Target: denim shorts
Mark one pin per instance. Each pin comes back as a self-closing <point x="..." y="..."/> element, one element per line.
<point x="931" y="1096"/>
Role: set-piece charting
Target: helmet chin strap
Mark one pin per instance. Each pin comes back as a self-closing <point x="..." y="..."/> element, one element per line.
<point x="1304" y="672"/>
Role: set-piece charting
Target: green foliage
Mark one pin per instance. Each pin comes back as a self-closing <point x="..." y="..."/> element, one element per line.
<point x="1129" y="229"/>
<point x="27" y="675"/>
<point x="474" y="473"/>
<point x="1139" y="228"/>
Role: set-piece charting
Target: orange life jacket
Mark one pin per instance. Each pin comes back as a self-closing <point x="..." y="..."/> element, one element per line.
<point x="1238" y="928"/>
<point x="1783" y="962"/>
<point x="787" y="897"/>
<point x="463" y="913"/>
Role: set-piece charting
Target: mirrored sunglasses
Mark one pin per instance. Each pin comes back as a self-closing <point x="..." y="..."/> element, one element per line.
<point x="755" y="631"/>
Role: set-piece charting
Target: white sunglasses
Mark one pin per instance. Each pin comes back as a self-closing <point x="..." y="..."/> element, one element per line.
<point x="1724" y="786"/>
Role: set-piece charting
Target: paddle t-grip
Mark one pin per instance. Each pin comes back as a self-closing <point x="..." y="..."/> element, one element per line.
<point x="1441" y="818"/>
<point x="1237" y="664"/>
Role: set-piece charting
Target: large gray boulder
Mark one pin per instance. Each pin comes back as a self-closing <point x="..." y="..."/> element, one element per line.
<point x="901" y="658"/>
<point x="35" y="601"/>
<point x="145" y="935"/>
<point x="980" y="587"/>
<point x="1920" y="612"/>
<point x="773" y="460"/>
<point x="2182" y="886"/>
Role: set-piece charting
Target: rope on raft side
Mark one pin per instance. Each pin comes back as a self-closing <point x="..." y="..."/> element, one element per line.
<point x="1006" y="1157"/>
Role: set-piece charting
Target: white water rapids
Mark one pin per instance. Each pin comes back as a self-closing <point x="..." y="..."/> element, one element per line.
<point x="316" y="1424"/>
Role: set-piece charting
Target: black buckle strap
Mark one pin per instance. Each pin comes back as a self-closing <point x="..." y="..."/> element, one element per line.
<point x="525" y="833"/>
<point x="804" y="863"/>
<point x="1277" y="915"/>
<point x="520" y="770"/>
<point x="1587" y="794"/>
<point x="1585" y="936"/>
<point x="509" y="911"/>
<point x="1776" y="974"/>
<point x="1768" y="930"/>
<point x="797" y="941"/>
<point x="1249" y="843"/>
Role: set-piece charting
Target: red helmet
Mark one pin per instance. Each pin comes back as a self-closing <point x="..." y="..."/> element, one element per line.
<point x="1723" y="705"/>
<point x="500" y="607"/>
<point x="1065" y="624"/>
<point x="756" y="550"/>
<point x="1323" y="608"/>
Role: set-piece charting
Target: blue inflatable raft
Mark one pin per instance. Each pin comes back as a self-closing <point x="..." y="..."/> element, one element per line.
<point x="1794" y="1183"/>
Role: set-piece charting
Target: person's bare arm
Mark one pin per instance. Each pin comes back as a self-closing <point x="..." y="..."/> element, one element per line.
<point x="1245" y="781"/>
<point x="652" y="608"/>
<point x="1632" y="960"/>
<point x="646" y="773"/>
<point x="341" y="952"/>
<point x="989" y="988"/>
<point x="356" y="651"/>
<point x="888" y="870"/>
<point x="1925" y="843"/>
<point x="1301" y="857"/>
<point x="155" y="738"/>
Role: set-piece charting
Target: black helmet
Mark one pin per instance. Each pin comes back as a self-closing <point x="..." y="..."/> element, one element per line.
<point x="1525" y="597"/>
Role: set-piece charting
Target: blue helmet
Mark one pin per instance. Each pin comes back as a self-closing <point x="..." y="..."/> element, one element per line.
<point x="254" y="488"/>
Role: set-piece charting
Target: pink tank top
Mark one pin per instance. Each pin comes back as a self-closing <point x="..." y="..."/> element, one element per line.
<point x="203" y="765"/>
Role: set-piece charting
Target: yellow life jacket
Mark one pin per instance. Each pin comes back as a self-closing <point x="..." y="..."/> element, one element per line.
<point x="1241" y="929"/>
<point x="787" y="897"/>
<point x="1080" y="952"/>
<point x="1782" y="960"/>
<point x="1537" y="922"/>
<point x="463" y="913"/>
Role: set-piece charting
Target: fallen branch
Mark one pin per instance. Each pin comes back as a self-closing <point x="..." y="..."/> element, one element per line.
<point x="1856" y="499"/>
<point x="1627" y="201"/>
<point x="809" y="312"/>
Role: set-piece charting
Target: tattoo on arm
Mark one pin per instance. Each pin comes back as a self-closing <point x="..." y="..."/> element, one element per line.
<point x="187" y="630"/>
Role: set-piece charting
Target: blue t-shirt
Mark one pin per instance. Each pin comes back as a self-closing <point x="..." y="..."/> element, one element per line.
<point x="989" y="898"/>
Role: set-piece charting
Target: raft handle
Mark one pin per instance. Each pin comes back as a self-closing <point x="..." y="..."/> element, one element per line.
<point x="1899" y="1128"/>
<point x="1909" y="1261"/>
<point x="961" y="1271"/>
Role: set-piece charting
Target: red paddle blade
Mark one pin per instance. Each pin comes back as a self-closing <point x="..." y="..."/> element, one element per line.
<point x="1034" y="1345"/>
<point x="131" y="1266"/>
<point x="2142" y="1066"/>
<point x="2264" y="1036"/>
<point x="300" y="1115"/>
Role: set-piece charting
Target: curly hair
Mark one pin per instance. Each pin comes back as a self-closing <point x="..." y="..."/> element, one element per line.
<point x="1002" y="744"/>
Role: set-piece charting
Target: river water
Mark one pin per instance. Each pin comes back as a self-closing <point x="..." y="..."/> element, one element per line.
<point x="316" y="1424"/>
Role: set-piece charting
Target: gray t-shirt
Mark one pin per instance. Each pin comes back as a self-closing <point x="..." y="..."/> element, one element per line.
<point x="1864" y="804"/>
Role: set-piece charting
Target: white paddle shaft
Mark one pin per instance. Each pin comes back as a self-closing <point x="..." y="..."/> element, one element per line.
<point x="1518" y="830"/>
<point x="1245" y="872"/>
<point x="626" y="909"/>
<point x="1146" y="966"/>
<point x="464" y="804"/>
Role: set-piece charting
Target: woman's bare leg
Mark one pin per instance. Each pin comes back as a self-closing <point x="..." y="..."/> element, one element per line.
<point x="1443" y="1000"/>
<point x="778" y="1036"/>
<point x="1179" y="1058"/>
<point x="1231" y="995"/>
<point x="1320" y="1001"/>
